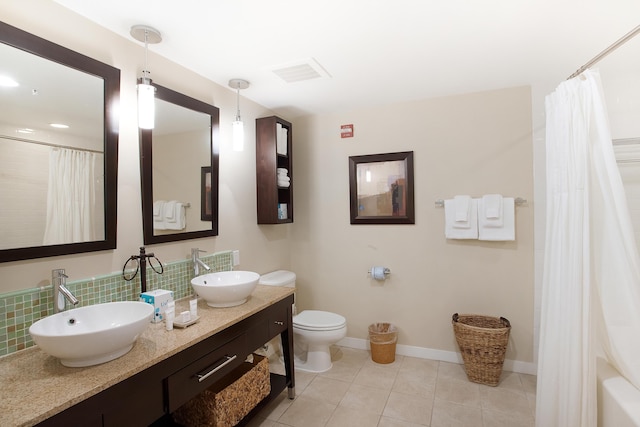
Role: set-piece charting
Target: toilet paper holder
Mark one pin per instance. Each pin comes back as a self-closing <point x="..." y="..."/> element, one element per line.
<point x="379" y="273"/>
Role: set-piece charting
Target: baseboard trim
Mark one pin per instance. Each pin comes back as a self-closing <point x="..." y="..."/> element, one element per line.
<point x="441" y="355"/>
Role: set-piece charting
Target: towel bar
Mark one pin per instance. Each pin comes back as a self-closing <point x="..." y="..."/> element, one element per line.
<point x="517" y="201"/>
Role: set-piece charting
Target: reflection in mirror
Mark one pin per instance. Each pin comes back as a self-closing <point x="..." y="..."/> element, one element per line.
<point x="173" y="155"/>
<point x="58" y="184"/>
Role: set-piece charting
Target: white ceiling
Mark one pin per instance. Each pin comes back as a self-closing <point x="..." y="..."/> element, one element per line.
<point x="376" y="52"/>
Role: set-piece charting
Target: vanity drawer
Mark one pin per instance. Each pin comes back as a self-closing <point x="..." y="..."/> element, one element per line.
<point x="204" y="372"/>
<point x="279" y="317"/>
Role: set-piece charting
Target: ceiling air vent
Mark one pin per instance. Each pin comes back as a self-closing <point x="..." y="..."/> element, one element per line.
<point x="307" y="69"/>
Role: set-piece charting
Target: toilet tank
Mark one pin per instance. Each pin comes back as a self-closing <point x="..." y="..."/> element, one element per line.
<point x="279" y="278"/>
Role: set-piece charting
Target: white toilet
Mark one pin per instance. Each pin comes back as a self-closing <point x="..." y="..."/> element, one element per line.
<point x="313" y="330"/>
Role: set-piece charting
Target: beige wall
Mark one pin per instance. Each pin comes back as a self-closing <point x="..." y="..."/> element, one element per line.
<point x="472" y="144"/>
<point x="262" y="249"/>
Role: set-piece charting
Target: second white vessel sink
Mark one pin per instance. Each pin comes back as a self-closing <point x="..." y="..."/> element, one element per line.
<point x="225" y="288"/>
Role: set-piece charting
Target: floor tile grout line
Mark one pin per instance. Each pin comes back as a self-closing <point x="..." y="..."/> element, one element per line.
<point x="517" y="386"/>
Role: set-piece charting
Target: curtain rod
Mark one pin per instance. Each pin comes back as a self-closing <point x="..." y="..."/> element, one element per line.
<point x="607" y="51"/>
<point x="48" y="144"/>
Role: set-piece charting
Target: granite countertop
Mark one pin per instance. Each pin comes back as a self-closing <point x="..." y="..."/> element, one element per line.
<point x="35" y="386"/>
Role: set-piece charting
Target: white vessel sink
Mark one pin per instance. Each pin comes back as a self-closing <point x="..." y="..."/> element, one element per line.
<point x="92" y="335"/>
<point x="225" y="288"/>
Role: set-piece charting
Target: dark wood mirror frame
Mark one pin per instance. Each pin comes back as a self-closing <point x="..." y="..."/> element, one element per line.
<point x="35" y="45"/>
<point x="146" y="168"/>
<point x="401" y="204"/>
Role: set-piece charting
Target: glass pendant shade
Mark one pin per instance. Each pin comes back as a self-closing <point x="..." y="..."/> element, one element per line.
<point x="146" y="106"/>
<point x="238" y="135"/>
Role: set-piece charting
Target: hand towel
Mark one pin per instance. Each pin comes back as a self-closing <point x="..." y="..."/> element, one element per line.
<point x="284" y="136"/>
<point x="453" y="232"/>
<point x="158" y="208"/>
<point x="506" y="232"/>
<point x="491" y="207"/>
<point x="462" y="211"/>
<point x="170" y="211"/>
<point x="179" y="222"/>
<point x="158" y="215"/>
<point x="281" y="140"/>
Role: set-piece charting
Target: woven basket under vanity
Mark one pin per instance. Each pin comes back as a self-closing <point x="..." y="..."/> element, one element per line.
<point x="225" y="405"/>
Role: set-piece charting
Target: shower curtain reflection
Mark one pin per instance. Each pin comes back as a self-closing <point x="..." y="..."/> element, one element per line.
<point x="74" y="197"/>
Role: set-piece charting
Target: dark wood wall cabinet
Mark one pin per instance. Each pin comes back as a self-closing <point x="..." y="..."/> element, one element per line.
<point x="274" y="170"/>
<point x="149" y="397"/>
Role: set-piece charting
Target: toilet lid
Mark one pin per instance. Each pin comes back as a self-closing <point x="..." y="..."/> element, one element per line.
<point x="314" y="320"/>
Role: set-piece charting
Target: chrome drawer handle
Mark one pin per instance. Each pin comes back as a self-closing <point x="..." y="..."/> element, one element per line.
<point x="278" y="322"/>
<point x="229" y="359"/>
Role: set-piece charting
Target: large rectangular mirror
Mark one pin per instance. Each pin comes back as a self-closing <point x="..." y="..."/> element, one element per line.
<point x="58" y="149"/>
<point x="179" y="169"/>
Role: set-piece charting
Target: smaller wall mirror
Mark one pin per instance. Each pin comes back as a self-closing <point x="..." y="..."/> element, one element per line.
<point x="179" y="169"/>
<point x="381" y="188"/>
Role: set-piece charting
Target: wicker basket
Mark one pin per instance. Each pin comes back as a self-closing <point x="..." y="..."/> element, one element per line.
<point x="483" y="344"/>
<point x="224" y="405"/>
<point x="382" y="339"/>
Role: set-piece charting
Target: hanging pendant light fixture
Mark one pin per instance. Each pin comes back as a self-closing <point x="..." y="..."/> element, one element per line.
<point x="238" y="126"/>
<point x="146" y="92"/>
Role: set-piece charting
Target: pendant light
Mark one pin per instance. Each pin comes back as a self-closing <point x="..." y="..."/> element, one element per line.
<point x="146" y="92"/>
<point x="238" y="126"/>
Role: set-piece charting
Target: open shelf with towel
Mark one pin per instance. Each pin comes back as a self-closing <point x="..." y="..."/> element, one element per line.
<point x="274" y="170"/>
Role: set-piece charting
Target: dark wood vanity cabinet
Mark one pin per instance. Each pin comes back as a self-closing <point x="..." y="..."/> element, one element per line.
<point x="137" y="401"/>
<point x="270" y="195"/>
<point x="156" y="392"/>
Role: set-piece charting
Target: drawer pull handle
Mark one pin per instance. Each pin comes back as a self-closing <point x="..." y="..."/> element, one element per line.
<point x="278" y="322"/>
<point x="227" y="360"/>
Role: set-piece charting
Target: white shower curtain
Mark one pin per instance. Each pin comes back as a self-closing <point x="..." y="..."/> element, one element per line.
<point x="591" y="283"/>
<point x="71" y="196"/>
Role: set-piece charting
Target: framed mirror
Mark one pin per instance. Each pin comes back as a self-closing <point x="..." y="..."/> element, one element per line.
<point x="58" y="149"/>
<point x="381" y="188"/>
<point x="179" y="169"/>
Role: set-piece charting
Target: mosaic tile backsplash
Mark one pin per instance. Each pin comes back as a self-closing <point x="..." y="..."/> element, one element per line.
<point x="19" y="310"/>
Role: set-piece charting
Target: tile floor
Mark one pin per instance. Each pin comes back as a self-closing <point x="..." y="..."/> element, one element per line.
<point x="410" y="392"/>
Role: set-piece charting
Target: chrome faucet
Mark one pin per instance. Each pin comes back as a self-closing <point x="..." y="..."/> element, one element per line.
<point x="60" y="291"/>
<point x="197" y="262"/>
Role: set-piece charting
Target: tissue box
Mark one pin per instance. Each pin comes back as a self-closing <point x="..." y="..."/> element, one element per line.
<point x="159" y="299"/>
